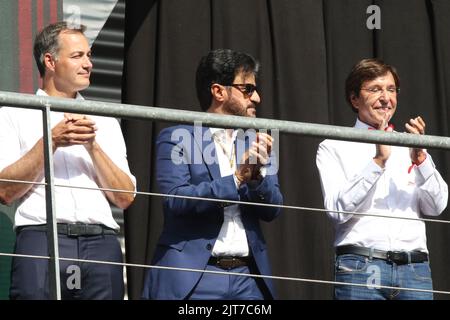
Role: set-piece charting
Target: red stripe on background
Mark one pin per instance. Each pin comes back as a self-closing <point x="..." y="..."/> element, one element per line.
<point x="24" y="27"/>
<point x="53" y="11"/>
<point x="39" y="15"/>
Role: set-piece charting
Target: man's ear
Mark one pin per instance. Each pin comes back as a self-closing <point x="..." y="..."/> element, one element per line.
<point x="354" y="100"/>
<point x="218" y="92"/>
<point x="49" y="61"/>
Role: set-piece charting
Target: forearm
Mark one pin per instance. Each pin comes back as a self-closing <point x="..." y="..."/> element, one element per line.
<point x="222" y="188"/>
<point x="268" y="192"/>
<point x="28" y="168"/>
<point x="433" y="200"/>
<point x="110" y="176"/>
<point x="433" y="190"/>
<point x="342" y="194"/>
<point x="356" y="191"/>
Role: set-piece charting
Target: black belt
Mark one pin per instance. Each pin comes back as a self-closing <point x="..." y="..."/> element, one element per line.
<point x="73" y="229"/>
<point x="398" y="257"/>
<point x="228" y="263"/>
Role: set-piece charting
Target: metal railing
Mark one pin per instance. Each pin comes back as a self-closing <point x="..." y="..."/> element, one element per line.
<point x="127" y="111"/>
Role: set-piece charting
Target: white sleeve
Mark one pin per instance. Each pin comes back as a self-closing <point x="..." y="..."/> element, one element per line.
<point x="9" y="139"/>
<point x="339" y="192"/>
<point x="433" y="190"/>
<point x="110" y="139"/>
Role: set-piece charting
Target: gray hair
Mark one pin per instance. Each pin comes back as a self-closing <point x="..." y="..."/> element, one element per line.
<point x="46" y="41"/>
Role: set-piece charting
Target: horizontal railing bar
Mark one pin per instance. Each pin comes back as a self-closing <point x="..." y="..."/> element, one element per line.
<point x="128" y="111"/>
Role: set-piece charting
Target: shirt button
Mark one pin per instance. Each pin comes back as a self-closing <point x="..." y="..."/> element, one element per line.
<point x="208" y="246"/>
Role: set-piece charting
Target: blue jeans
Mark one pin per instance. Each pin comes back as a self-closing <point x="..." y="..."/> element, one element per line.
<point x="373" y="273"/>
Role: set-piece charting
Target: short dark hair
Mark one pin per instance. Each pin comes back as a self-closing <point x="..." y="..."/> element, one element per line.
<point x="221" y="66"/>
<point x="46" y="41"/>
<point x="367" y="70"/>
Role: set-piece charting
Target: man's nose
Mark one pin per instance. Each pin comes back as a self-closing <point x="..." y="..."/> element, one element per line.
<point x="384" y="95"/>
<point x="255" y="97"/>
<point x="87" y="63"/>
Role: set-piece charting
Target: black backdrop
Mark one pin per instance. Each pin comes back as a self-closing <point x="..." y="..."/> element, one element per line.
<point x="306" y="49"/>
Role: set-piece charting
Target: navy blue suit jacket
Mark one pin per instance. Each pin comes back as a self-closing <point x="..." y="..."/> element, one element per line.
<point x="187" y="166"/>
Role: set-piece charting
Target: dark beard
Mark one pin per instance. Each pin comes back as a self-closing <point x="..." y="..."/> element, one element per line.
<point x="235" y="108"/>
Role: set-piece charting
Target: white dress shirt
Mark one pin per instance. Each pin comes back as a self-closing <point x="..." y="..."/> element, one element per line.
<point x="352" y="181"/>
<point x="232" y="239"/>
<point x="20" y="129"/>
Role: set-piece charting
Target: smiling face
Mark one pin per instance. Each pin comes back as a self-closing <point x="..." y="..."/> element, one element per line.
<point x="71" y="68"/>
<point x="377" y="100"/>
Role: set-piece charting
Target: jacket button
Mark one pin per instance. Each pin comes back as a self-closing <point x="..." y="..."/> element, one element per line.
<point x="208" y="246"/>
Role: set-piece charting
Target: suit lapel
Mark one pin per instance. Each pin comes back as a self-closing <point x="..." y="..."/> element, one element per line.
<point x="205" y="143"/>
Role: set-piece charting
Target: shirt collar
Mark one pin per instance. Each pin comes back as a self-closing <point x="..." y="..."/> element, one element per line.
<point x="220" y="132"/>
<point x="41" y="92"/>
<point x="362" y="125"/>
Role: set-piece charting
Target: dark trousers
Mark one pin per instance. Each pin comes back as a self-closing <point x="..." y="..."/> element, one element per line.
<point x="213" y="286"/>
<point x="79" y="280"/>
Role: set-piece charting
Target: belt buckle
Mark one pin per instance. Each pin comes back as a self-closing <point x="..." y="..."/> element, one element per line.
<point x="225" y="263"/>
<point x="75" y="229"/>
<point x="399" y="257"/>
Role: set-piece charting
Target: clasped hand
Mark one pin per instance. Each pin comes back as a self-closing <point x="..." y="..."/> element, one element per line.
<point x="74" y="129"/>
<point x="254" y="158"/>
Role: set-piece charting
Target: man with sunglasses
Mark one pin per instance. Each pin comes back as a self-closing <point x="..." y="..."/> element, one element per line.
<point x="195" y="161"/>
<point x="397" y="183"/>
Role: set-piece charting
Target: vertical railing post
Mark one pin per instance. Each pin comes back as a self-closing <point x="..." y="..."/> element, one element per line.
<point x="52" y="232"/>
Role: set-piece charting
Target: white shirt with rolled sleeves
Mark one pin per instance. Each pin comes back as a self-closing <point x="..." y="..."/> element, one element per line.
<point x="20" y="129"/>
<point x="352" y="181"/>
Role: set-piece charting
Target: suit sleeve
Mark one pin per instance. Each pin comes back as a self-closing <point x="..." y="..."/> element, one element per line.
<point x="178" y="174"/>
<point x="267" y="191"/>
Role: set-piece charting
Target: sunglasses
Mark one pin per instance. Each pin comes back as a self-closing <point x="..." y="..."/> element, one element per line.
<point x="246" y="88"/>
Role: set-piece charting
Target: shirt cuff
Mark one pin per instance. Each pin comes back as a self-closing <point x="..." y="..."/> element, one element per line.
<point x="236" y="181"/>
<point x="263" y="172"/>
<point x="426" y="168"/>
<point x="372" y="171"/>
